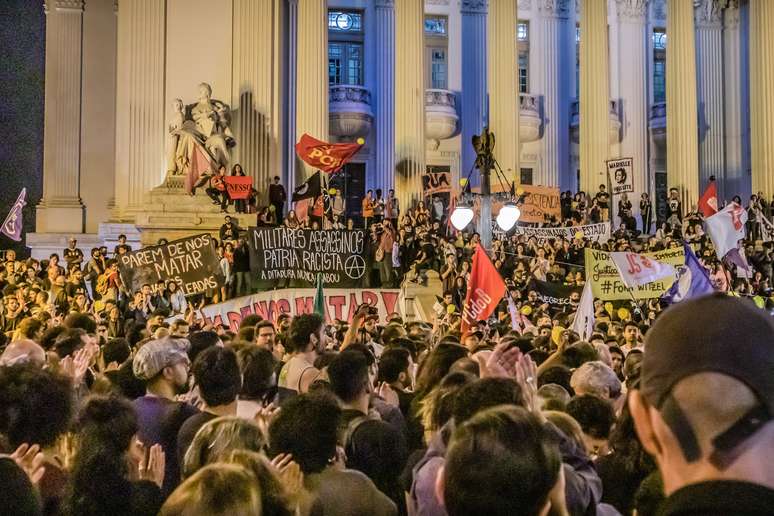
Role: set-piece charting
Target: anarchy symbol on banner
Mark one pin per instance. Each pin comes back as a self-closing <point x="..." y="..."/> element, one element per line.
<point x="354" y="266"/>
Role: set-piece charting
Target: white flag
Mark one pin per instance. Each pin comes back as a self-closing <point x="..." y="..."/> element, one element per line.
<point x="637" y="269"/>
<point x="583" y="324"/>
<point x="726" y="228"/>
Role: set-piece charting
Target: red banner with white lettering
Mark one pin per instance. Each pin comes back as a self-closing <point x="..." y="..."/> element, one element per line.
<point x="328" y="157"/>
<point x="485" y="290"/>
<point x="238" y="187"/>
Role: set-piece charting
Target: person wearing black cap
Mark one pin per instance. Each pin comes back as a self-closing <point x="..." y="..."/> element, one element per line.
<point x="705" y="403"/>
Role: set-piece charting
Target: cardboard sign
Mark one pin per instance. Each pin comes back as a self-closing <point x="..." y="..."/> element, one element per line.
<point x="436" y="182"/>
<point x="238" y="187"/>
<point x="287" y="257"/>
<point x="607" y="284"/>
<point x="190" y="262"/>
<point x="339" y="304"/>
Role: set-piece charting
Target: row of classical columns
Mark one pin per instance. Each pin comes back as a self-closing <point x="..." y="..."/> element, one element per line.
<point x="704" y="75"/>
<point x="710" y="86"/>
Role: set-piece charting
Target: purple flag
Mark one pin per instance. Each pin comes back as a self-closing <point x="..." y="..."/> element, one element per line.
<point x="12" y="226"/>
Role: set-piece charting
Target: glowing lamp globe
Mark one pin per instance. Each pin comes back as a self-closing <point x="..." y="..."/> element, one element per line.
<point x="461" y="217"/>
<point x="508" y="216"/>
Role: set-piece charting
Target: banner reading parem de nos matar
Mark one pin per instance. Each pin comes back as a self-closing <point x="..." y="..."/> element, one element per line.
<point x="190" y="262"/>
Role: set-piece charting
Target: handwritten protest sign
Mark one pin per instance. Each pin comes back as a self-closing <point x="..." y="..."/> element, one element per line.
<point x="607" y="284"/>
<point x="339" y="304"/>
<point x="436" y="182"/>
<point x="238" y="187"/>
<point x="190" y="262"/>
<point x="287" y="257"/>
<point x="599" y="232"/>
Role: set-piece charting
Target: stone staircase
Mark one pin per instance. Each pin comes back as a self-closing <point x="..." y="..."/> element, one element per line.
<point x="172" y="213"/>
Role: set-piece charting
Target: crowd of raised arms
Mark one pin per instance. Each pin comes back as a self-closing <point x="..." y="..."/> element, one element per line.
<point x="128" y="403"/>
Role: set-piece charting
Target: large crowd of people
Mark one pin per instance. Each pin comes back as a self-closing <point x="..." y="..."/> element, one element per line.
<point x="117" y="402"/>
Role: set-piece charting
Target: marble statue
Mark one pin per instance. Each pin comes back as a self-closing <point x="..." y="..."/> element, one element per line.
<point x="204" y="124"/>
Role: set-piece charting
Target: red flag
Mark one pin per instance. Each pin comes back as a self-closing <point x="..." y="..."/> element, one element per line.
<point x="238" y="187"/>
<point x="328" y="157"/>
<point x="708" y="204"/>
<point x="485" y="290"/>
<point x="200" y="165"/>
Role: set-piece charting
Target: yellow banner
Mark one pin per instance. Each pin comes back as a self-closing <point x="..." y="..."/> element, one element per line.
<point x="606" y="283"/>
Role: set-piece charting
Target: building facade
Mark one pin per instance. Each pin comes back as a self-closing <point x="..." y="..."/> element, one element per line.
<point x="564" y="85"/>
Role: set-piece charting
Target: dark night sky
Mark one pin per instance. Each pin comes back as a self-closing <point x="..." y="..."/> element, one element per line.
<point x="22" y="62"/>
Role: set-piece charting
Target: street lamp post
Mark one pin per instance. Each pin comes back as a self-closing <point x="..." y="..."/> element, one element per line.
<point x="463" y="213"/>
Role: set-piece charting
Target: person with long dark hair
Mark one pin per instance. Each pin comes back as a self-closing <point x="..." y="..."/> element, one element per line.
<point x="240" y="205"/>
<point x="101" y="480"/>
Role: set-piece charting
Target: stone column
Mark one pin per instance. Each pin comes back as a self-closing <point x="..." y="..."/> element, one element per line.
<point x="312" y="73"/>
<point x="385" y="101"/>
<point x="682" y="103"/>
<point x="553" y="70"/>
<point x="762" y="95"/>
<point x="474" y="78"/>
<point x="409" y="101"/>
<point x="633" y="67"/>
<point x="289" y="177"/>
<point x="737" y="182"/>
<point x="503" y="85"/>
<point x="594" y="95"/>
<point x="255" y="90"/>
<point x="709" y="63"/>
<point x="140" y="110"/>
<point x="61" y="210"/>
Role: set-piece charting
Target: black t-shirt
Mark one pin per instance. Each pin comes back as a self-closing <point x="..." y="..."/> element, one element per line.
<point x="602" y="199"/>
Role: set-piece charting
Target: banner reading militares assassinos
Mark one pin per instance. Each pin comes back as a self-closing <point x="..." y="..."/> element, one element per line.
<point x="282" y="257"/>
<point x="191" y="262"/>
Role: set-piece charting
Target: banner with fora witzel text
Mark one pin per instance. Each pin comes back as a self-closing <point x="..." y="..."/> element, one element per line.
<point x="282" y="257"/>
<point x="190" y="262"/>
<point x="606" y="282"/>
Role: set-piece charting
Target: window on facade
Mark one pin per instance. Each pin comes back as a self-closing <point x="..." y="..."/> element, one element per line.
<point x="522" y="36"/>
<point x="437" y="51"/>
<point x="659" y="65"/>
<point x="525" y="176"/>
<point x="577" y="61"/>
<point x="345" y="48"/>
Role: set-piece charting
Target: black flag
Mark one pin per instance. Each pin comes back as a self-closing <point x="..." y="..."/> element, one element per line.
<point x="310" y="189"/>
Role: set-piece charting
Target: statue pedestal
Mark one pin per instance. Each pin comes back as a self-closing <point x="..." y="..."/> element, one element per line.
<point x="172" y="213"/>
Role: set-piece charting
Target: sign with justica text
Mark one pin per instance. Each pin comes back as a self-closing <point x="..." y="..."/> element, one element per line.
<point x="190" y="262"/>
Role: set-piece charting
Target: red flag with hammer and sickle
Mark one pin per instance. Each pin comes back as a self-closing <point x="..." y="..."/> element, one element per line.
<point x="328" y="157"/>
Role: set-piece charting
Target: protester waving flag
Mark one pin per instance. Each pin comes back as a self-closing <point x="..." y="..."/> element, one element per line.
<point x="708" y="204"/>
<point x="12" y="225"/>
<point x="319" y="297"/>
<point x="637" y="269"/>
<point x="328" y="157"/>
<point x="309" y="189"/>
<point x="485" y="290"/>
<point x="583" y="324"/>
<point x="692" y="280"/>
<point x="726" y="228"/>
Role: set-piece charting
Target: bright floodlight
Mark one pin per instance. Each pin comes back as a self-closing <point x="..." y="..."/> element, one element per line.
<point x="461" y="217"/>
<point x="508" y="216"/>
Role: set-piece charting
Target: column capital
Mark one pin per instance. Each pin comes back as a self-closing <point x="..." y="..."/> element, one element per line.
<point x="633" y="10"/>
<point x="473" y="6"/>
<point x="709" y="13"/>
<point x="554" y="8"/>
<point x="69" y="5"/>
<point x="385" y="4"/>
